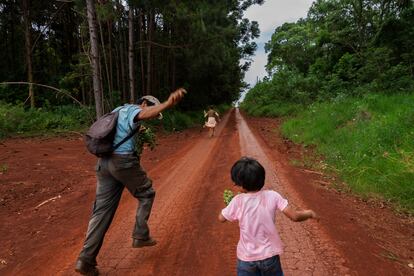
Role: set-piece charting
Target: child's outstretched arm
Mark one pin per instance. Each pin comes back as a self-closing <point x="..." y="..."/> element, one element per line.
<point x="299" y="215"/>
<point x="221" y="218"/>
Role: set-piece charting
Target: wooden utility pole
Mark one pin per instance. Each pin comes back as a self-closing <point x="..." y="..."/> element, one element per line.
<point x="96" y="69"/>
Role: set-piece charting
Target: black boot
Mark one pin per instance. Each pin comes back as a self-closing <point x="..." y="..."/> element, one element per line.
<point x="141" y="243"/>
<point x="86" y="269"/>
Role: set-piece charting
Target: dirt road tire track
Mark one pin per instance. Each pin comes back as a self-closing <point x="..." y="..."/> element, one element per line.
<point x="308" y="250"/>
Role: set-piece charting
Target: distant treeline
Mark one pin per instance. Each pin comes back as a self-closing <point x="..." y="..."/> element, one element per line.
<point x="342" y="47"/>
<point x="144" y="47"/>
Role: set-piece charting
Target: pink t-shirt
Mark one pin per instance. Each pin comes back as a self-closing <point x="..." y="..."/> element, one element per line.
<point x="256" y="212"/>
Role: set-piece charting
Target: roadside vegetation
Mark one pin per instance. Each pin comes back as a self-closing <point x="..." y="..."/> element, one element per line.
<point x="343" y="79"/>
<point x="367" y="141"/>
<point x="15" y="120"/>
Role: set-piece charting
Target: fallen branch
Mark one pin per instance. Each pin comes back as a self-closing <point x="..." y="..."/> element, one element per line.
<point x="42" y="85"/>
<point x="48" y="200"/>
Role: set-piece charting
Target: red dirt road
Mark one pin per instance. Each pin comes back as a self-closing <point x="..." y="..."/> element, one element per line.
<point x="190" y="172"/>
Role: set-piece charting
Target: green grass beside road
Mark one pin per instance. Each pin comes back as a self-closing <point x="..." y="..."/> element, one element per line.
<point x="367" y="141"/>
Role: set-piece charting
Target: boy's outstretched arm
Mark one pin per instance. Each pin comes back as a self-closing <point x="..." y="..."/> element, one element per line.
<point x="221" y="218"/>
<point x="299" y="215"/>
<point x="153" y="111"/>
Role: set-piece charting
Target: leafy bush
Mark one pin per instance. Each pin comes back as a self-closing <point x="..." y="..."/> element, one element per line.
<point x="15" y="119"/>
<point x="175" y="120"/>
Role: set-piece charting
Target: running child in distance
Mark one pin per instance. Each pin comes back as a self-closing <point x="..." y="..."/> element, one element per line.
<point x="212" y="119"/>
<point x="259" y="246"/>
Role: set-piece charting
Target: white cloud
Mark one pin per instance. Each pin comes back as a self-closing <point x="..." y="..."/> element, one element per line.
<point x="271" y="14"/>
<point x="257" y="68"/>
<point x="274" y="13"/>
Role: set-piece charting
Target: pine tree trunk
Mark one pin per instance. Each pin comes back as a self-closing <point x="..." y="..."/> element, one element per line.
<point x="111" y="81"/>
<point x="149" y="60"/>
<point x="173" y="71"/>
<point x="105" y="62"/>
<point x="120" y="54"/>
<point x="82" y="82"/>
<point x="141" y="50"/>
<point x="122" y="58"/>
<point x="28" y="45"/>
<point x="172" y="60"/>
<point x="117" y="85"/>
<point x="83" y="93"/>
<point x="131" y="54"/>
<point x="97" y="84"/>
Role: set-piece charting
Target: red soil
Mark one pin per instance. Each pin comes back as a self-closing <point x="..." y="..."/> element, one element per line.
<point x="190" y="172"/>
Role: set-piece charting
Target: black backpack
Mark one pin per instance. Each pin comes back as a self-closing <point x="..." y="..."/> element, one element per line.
<point x="100" y="136"/>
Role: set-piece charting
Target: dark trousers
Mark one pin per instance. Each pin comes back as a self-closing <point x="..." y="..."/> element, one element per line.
<point x="113" y="174"/>
<point x="267" y="267"/>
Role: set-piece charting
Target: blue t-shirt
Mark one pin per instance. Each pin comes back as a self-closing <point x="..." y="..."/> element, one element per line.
<point x="125" y="125"/>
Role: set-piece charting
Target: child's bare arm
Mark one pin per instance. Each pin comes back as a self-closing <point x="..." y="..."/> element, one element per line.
<point x="299" y="215"/>
<point x="221" y="218"/>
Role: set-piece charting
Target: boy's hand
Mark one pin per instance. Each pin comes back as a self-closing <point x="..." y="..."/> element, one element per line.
<point x="299" y="215"/>
<point x="176" y="96"/>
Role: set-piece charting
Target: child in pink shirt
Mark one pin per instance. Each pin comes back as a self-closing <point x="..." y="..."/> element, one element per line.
<point x="259" y="246"/>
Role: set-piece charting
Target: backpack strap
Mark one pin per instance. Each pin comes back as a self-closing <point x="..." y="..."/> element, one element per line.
<point x="132" y="133"/>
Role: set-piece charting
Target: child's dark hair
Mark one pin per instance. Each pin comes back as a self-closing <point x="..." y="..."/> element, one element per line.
<point x="248" y="173"/>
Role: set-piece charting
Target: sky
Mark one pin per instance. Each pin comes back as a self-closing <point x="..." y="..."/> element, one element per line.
<point x="271" y="14"/>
